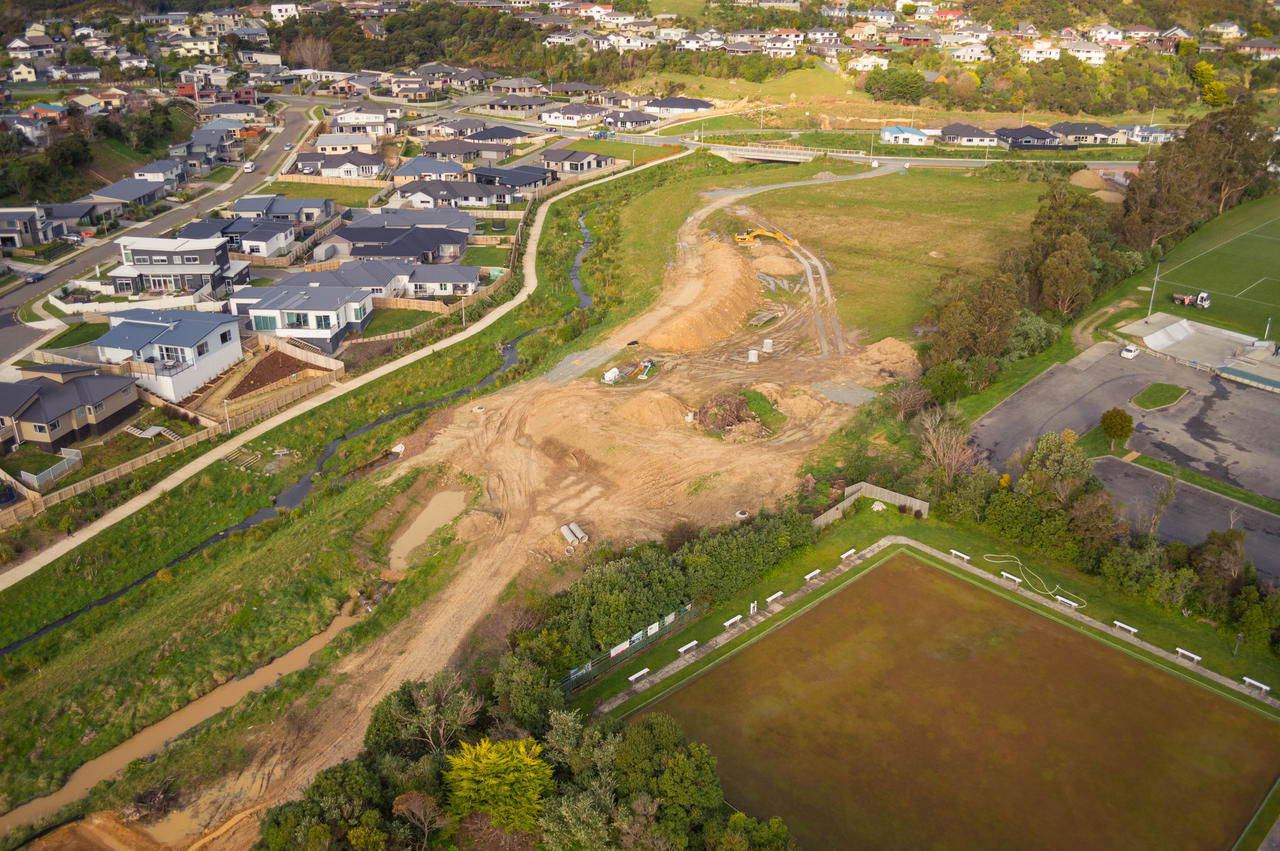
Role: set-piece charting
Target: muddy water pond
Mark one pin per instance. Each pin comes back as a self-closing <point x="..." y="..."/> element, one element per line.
<point x="439" y="510"/>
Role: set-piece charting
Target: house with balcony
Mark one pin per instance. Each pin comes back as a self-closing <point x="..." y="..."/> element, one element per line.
<point x="319" y="315"/>
<point x="207" y="149"/>
<point x="21" y="227"/>
<point x="157" y="264"/>
<point x="53" y="405"/>
<point x="366" y="120"/>
<point x="172" y="353"/>
<point x="167" y="172"/>
<point x="32" y="47"/>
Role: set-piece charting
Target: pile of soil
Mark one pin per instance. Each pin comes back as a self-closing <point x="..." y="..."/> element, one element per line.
<point x="719" y="413"/>
<point x="801" y="406"/>
<point x="1087" y="179"/>
<point x="776" y="265"/>
<point x="745" y="432"/>
<point x="269" y="370"/>
<point x="884" y="361"/>
<point x="712" y="294"/>
<point x="1109" y="196"/>
<point x="653" y="409"/>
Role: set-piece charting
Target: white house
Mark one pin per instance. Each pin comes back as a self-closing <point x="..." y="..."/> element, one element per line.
<point x="169" y="172"/>
<point x="1086" y="52"/>
<point x="971" y="53"/>
<point x="778" y="47"/>
<point x="869" y="62"/>
<point x="31" y="47"/>
<point x="172" y="353"/>
<point x="345" y="143"/>
<point x="573" y="115"/>
<point x="668" y="107"/>
<point x="898" y="135"/>
<point x="267" y="239"/>
<point x="1106" y="33"/>
<point x="1223" y="30"/>
<point x="281" y="12"/>
<point x="968" y="136"/>
<point x="319" y="315"/>
<point x="1038" y="51"/>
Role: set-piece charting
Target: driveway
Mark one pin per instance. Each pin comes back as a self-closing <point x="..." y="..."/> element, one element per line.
<point x="1219" y="428"/>
<point x="1193" y="512"/>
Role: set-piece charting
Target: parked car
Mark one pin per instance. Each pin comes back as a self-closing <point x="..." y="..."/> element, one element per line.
<point x="87" y="234"/>
<point x="288" y="146"/>
<point x="32" y="277"/>
<point x="1129" y="352"/>
<point x="73" y="238"/>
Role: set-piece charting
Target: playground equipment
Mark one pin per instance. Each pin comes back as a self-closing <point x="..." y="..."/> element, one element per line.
<point x="750" y="236"/>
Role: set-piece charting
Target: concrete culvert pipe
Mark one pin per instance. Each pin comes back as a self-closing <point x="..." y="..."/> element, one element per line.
<point x="568" y="551"/>
<point x="568" y="535"/>
<point x="577" y="530"/>
<point x="742" y="514"/>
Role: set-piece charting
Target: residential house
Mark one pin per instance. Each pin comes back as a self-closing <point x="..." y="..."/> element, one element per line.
<point x="303" y="213"/>
<point x="238" y="111"/>
<point x="1221" y="30"/>
<point x="368" y="120"/>
<point x="1141" y="33"/>
<point x="116" y="198"/>
<point x="1263" y="49"/>
<point x="572" y="115"/>
<point x="32" y="47"/>
<point x="1087" y="133"/>
<point x="319" y="315"/>
<point x="1026" y="30"/>
<point x="432" y="194"/>
<point x="868" y="62"/>
<point x="75" y="73"/>
<point x="629" y="120"/>
<point x="22" y="227"/>
<point x="741" y="48"/>
<point x="1027" y="138"/>
<point x="57" y="404"/>
<point x="452" y="150"/>
<point x="518" y="106"/>
<point x="167" y="172"/>
<point x="899" y="135"/>
<point x="35" y="131"/>
<point x="23" y="72"/>
<point x="970" y="54"/>
<point x="88" y="104"/>
<point x="456" y="128"/>
<point x="206" y="150"/>
<point x="626" y="43"/>
<point x="353" y="164"/>
<point x="669" y="107"/>
<point x="523" y="178"/>
<point x="566" y="161"/>
<point x="1038" y="51"/>
<point x="341" y="143"/>
<point x="417" y="244"/>
<point x="193" y="46"/>
<point x="281" y="12"/>
<point x="1106" y="34"/>
<point x="1087" y="52"/>
<point x="426" y="168"/>
<point x="268" y="239"/>
<point x="172" y="353"/>
<point x="504" y="135"/>
<point x="1142" y="134"/>
<point x="54" y="112"/>
<point x="150" y="264"/>
<point x="777" y="47"/>
<point x="443" y="281"/>
<point x="966" y="135"/>
<point x="881" y="16"/>
<point x="1177" y="33"/>
<point x="516" y="86"/>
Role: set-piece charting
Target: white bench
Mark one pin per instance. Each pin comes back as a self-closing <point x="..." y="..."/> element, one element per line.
<point x="848" y="553"/>
<point x="959" y="555"/>
<point x="1064" y="601"/>
<point x="731" y="621"/>
<point x="1262" y="687"/>
<point x="809" y="577"/>
<point x="638" y="674"/>
<point x="688" y="647"/>
<point x="775" y="595"/>
<point x="1132" y="630"/>
<point x="1187" y="654"/>
<point x="1016" y="580"/>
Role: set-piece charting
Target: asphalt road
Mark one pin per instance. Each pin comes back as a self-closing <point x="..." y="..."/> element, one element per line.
<point x="14" y="336"/>
<point x="1193" y="513"/>
<point x="1222" y="429"/>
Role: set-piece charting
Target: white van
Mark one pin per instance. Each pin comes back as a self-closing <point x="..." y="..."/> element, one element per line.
<point x="250" y="166"/>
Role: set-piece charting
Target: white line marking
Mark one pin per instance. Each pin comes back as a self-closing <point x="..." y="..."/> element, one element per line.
<point x="1224" y="242"/>
<point x="1254" y="284"/>
<point x="1198" y="288"/>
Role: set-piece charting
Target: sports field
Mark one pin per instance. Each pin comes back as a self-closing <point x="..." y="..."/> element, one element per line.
<point x="1238" y="264"/>
<point x="914" y="709"/>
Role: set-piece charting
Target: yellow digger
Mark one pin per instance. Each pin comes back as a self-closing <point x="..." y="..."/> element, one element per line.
<point x="750" y="236"/>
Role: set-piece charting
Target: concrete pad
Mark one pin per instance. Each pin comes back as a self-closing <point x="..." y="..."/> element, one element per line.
<point x="1193" y="341"/>
<point x="845" y="392"/>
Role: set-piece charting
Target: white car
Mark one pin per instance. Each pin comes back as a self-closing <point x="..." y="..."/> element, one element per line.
<point x="1129" y="352"/>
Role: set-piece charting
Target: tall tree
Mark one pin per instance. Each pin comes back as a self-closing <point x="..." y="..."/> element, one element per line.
<point x="1117" y="425"/>
<point x="1065" y="277"/>
<point x="505" y="779"/>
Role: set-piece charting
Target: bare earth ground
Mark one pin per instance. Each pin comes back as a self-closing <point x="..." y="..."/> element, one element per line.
<point x="618" y="460"/>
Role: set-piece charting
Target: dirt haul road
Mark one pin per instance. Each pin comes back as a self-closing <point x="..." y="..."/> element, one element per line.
<point x="621" y="461"/>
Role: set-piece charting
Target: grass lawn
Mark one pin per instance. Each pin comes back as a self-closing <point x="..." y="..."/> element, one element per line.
<point x="100" y="455"/>
<point x="486" y="255"/>
<point x="1158" y="395"/>
<point x="949" y="714"/>
<point x="390" y="321"/>
<point x="719" y="122"/>
<point x="53" y="311"/>
<point x="220" y="175"/>
<point x="78" y="334"/>
<point x="27" y="458"/>
<point x="348" y="196"/>
<point x="683" y="8"/>
<point x="262" y="282"/>
<point x="1235" y="258"/>
<point x="622" y="152"/>
<point x="805" y="85"/>
<point x="770" y="417"/>
<point x="891" y="238"/>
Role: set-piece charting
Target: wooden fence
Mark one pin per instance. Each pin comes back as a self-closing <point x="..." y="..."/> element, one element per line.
<point x="307" y="356"/>
<point x="334" y="181"/>
<point x="870" y="491"/>
<point x="298" y="249"/>
<point x="267" y="408"/>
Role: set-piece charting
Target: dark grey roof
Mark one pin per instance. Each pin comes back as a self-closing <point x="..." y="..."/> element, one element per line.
<point x="679" y="103"/>
<point x="966" y="130"/>
<point x="128" y="190"/>
<point x="159" y="167"/>
<point x="267" y="229"/>
<point x="498" y="134"/>
<point x="204" y="229"/>
<point x="564" y="155"/>
<point x="354" y="273"/>
<point x="444" y="274"/>
<point x="54" y="399"/>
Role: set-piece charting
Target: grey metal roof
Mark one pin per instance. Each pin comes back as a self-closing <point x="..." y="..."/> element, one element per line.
<point x="444" y="274"/>
<point x="160" y="167"/>
<point x="267" y="230"/>
<point x="204" y="229"/>
<point x="452" y="219"/>
<point x="14" y="395"/>
<point x="426" y="165"/>
<point x="128" y="190"/>
<point x="308" y="298"/>
<point x="138" y="327"/>
<point x="355" y="273"/>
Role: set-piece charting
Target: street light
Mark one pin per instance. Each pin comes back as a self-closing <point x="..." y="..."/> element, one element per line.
<point x="1156" y="283"/>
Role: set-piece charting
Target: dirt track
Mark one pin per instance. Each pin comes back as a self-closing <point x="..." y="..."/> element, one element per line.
<point x="621" y="461"/>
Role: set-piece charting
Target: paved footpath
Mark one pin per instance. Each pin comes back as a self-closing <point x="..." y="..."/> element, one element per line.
<point x="333" y="391"/>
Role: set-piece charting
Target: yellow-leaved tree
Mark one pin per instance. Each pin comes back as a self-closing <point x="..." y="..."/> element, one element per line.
<point x="505" y="779"/>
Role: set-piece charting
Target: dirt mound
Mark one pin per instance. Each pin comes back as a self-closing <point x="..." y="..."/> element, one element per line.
<point x="824" y="175"/>
<point x="721" y="412"/>
<point x="276" y="366"/>
<point x="1109" y="196"/>
<point x="476" y="525"/>
<point x="1086" y="179"/>
<point x="716" y="291"/>
<point x="654" y="409"/>
<point x="745" y="432"/>
<point x="883" y="362"/>
<point x="778" y="265"/>
<point x="769" y="390"/>
<point x="801" y="406"/>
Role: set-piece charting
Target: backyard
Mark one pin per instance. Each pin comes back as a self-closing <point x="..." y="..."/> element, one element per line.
<point x="77" y="335"/>
<point x="486" y="255"/>
<point x="914" y="708"/>
<point x="387" y="321"/>
<point x="623" y="153"/>
<point x="891" y="238"/>
<point x="348" y="196"/>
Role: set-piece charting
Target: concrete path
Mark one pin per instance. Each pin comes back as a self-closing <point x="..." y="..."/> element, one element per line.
<point x="333" y="391"/>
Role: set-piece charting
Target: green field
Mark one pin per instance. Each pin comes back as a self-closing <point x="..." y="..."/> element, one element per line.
<point x="486" y="255"/>
<point x="803" y="85"/>
<point x="891" y="238"/>
<point x="622" y="152"/>
<point x="1236" y="259"/>
<point x="1159" y="395"/>
<point x="914" y="708"/>
<point x="683" y="8"/>
<point x="390" y="321"/>
<point x="348" y="196"/>
<point x="719" y="122"/>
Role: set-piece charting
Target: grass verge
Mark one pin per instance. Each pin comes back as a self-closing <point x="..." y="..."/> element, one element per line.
<point x="1158" y="395"/>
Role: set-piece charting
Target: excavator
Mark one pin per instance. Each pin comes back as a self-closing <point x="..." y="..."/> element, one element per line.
<point x="750" y="236"/>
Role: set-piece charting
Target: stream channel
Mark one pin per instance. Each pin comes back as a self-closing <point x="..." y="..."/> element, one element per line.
<point x="152" y="739"/>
